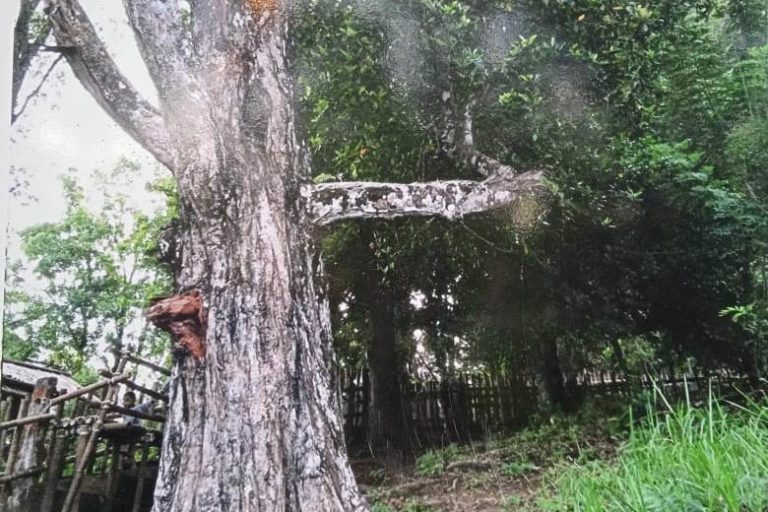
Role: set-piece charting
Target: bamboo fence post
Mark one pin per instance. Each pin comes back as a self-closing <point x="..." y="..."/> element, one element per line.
<point x="15" y="440"/>
<point x="83" y="432"/>
<point x="113" y="475"/>
<point x="141" y="476"/>
<point x="82" y="462"/>
<point x="55" y="467"/>
<point x="5" y="413"/>
<point x="24" y="493"/>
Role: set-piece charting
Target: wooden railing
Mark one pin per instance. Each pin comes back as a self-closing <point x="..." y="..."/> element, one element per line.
<point x="55" y="447"/>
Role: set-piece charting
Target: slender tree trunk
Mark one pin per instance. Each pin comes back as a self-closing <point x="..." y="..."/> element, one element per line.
<point x="254" y="424"/>
<point x="553" y="386"/>
<point x="387" y="418"/>
<point x="388" y="426"/>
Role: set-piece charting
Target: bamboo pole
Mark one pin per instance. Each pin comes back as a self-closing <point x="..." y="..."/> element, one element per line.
<point x="144" y="362"/>
<point x="12" y="451"/>
<point x="93" y="387"/>
<point x="141" y="476"/>
<point x="19" y="422"/>
<point x="83" y="433"/>
<point x="113" y="476"/>
<point x="127" y="412"/>
<point x="149" y="392"/>
<point x="14" y="434"/>
<point x="55" y="466"/>
<point x="5" y="413"/>
<point x="74" y="488"/>
<point x="11" y="391"/>
<point x="6" y="478"/>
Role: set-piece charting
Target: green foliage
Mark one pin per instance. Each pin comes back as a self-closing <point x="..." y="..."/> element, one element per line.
<point x="687" y="459"/>
<point x="434" y="462"/>
<point x="650" y="119"/>
<point x="377" y="506"/>
<point x="513" y="469"/>
<point x="95" y="269"/>
<point x="512" y="503"/>
<point x="414" y="505"/>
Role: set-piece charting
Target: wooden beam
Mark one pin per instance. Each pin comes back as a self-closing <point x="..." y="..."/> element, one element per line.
<point x="18" y="422"/>
<point x="89" y="389"/>
<point x="138" y="387"/>
<point x="144" y="362"/>
<point x="6" y="477"/>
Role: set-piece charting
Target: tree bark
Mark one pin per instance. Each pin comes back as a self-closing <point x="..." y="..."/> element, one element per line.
<point x="254" y="424"/>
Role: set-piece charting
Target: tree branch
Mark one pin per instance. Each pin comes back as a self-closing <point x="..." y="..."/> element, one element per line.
<point x="330" y="202"/>
<point x="24" y="50"/>
<point x="161" y="37"/>
<point x="16" y="115"/>
<point x="457" y="140"/>
<point x="96" y="70"/>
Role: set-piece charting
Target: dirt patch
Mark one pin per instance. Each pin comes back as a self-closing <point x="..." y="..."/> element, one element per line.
<point x="504" y="475"/>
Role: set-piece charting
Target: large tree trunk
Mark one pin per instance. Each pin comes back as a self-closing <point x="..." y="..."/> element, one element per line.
<point x="254" y="423"/>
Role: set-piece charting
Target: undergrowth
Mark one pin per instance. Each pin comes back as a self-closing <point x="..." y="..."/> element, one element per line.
<point x="713" y="458"/>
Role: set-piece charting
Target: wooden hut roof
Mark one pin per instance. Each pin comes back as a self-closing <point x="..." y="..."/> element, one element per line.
<point x="23" y="375"/>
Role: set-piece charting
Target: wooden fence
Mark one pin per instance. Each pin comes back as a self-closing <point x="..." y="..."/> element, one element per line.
<point x="471" y="405"/>
<point x="62" y="453"/>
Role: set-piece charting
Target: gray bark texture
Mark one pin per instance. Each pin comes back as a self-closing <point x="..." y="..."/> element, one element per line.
<point x="254" y="421"/>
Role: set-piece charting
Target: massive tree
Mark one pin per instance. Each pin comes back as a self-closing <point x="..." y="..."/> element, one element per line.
<point x="254" y="422"/>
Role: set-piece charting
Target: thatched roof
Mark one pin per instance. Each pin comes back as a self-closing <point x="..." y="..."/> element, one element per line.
<point x="23" y="375"/>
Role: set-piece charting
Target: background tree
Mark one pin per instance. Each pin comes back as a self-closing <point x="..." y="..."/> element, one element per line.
<point x="633" y="106"/>
<point x="91" y="275"/>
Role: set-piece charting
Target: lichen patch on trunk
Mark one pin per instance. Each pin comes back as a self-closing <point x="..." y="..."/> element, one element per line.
<point x="184" y="317"/>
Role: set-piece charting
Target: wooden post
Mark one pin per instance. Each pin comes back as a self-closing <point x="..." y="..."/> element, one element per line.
<point x="5" y="413"/>
<point x="141" y="476"/>
<point x="82" y="462"/>
<point x="55" y="467"/>
<point x="114" y="475"/>
<point x="83" y="433"/>
<point x="25" y="495"/>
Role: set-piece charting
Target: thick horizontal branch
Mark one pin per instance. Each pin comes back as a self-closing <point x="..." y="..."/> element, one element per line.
<point x="95" y="69"/>
<point x="331" y="202"/>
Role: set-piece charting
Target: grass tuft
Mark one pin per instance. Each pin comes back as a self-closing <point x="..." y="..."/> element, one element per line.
<point x="713" y="458"/>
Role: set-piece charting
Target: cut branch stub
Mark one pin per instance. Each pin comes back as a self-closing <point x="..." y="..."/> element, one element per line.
<point x="184" y="317"/>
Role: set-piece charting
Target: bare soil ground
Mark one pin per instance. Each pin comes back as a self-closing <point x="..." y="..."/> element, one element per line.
<point x="503" y="475"/>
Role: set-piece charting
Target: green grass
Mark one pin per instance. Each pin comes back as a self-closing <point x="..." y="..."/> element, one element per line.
<point x="514" y="469"/>
<point x="713" y="458"/>
<point x="433" y="462"/>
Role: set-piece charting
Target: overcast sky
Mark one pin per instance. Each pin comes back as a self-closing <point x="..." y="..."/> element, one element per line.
<point x="65" y="128"/>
